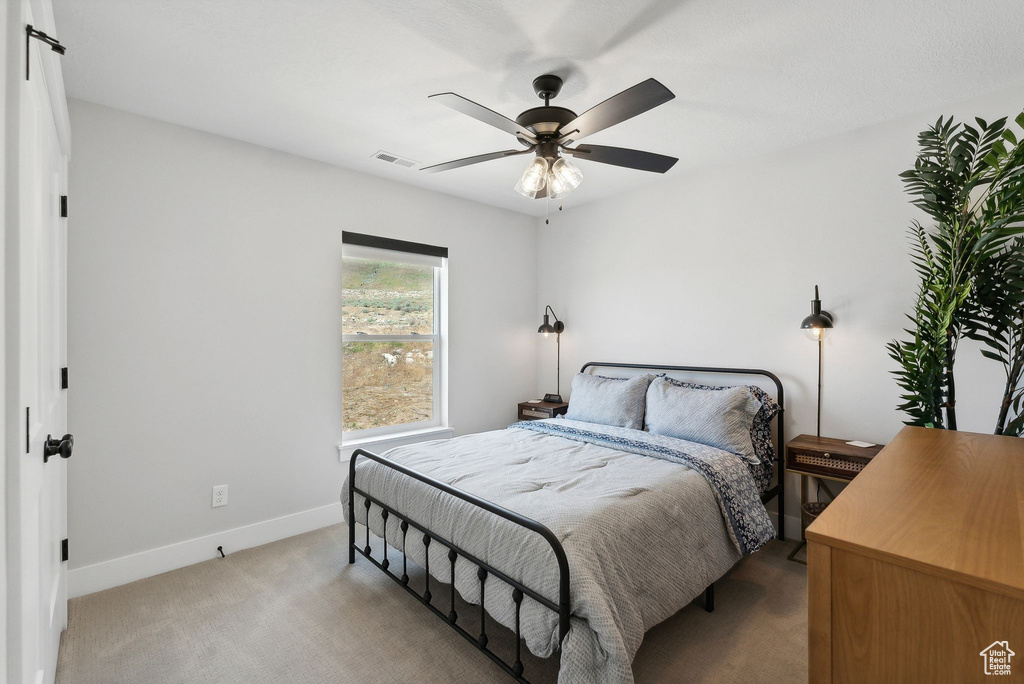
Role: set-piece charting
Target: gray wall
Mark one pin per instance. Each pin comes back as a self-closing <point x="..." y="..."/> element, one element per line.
<point x="718" y="268"/>
<point x="204" y="299"/>
<point x="204" y="325"/>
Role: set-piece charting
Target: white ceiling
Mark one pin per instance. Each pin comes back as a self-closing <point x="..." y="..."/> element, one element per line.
<point x="338" y="80"/>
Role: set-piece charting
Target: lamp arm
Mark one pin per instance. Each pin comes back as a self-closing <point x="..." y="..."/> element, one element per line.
<point x="548" y="308"/>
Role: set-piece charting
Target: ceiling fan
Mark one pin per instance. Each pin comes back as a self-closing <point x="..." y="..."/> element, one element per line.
<point x="549" y="130"/>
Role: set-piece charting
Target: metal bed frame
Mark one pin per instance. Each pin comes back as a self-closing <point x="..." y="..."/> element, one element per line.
<point x="484" y="570"/>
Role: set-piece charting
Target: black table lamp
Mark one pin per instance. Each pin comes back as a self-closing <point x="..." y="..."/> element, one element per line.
<point x="546" y="328"/>
<point x="816" y="326"/>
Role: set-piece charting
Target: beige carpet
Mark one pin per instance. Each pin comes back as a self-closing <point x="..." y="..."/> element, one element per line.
<point x="295" y="611"/>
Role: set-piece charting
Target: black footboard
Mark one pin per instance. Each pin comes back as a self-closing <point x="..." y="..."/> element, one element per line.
<point x="484" y="571"/>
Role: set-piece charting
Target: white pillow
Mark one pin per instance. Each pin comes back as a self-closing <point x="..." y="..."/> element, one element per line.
<point x="609" y="401"/>
<point x="720" y="418"/>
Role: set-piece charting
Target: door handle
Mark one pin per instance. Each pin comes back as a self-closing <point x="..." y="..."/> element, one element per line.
<point x="62" y="447"/>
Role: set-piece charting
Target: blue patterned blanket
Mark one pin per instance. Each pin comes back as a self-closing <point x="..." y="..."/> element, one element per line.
<point x="748" y="523"/>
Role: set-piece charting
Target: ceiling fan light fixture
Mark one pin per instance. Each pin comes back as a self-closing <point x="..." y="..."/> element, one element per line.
<point x="547" y="131"/>
<point x="534" y="178"/>
<point x="568" y="174"/>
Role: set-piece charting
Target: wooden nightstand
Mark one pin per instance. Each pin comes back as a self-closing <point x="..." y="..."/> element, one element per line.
<point x="824" y="458"/>
<point x="541" y="409"/>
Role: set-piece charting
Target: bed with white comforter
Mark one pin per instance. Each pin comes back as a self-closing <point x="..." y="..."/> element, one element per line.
<point x="647" y="522"/>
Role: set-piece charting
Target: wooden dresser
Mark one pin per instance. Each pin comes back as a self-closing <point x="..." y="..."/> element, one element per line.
<point x="918" y="565"/>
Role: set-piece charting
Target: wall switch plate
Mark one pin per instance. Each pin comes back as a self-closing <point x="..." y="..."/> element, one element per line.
<point x="220" y="496"/>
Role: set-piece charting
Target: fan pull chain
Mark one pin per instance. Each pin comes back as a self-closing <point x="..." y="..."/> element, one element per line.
<point x="547" y="210"/>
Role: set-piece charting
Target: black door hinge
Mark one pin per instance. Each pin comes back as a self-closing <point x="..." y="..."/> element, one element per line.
<point x="39" y="35"/>
<point x="63" y="206"/>
<point x="63" y="550"/>
<point x="64" y="377"/>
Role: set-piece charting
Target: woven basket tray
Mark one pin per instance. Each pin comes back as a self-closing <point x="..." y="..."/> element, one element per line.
<point x="811" y="510"/>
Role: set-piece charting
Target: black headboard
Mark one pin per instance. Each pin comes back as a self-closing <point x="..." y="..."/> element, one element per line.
<point x="779" y="489"/>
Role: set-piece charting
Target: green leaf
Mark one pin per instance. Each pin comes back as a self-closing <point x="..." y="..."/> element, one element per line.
<point x="969" y="261"/>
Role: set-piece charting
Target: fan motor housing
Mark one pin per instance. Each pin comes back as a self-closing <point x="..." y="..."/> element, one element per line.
<point x="545" y="120"/>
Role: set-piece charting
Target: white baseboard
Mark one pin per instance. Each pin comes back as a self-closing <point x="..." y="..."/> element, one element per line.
<point x="118" y="571"/>
<point x="792" y="524"/>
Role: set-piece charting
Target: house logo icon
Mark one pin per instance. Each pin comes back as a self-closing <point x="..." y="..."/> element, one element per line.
<point x="997" y="658"/>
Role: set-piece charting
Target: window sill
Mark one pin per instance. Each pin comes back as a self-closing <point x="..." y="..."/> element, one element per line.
<point x="382" y="442"/>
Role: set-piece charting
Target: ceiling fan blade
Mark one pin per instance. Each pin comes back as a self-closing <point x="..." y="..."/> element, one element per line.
<point x="481" y="113"/>
<point x="616" y="109"/>
<point x="621" y="156"/>
<point x="466" y="161"/>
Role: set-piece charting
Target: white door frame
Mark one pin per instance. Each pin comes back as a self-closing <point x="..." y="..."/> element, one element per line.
<point x="16" y="14"/>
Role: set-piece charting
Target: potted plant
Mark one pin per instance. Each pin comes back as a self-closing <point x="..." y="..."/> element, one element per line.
<point x="970" y="182"/>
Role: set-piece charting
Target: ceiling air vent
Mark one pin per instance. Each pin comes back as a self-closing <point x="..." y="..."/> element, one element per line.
<point x="394" y="159"/>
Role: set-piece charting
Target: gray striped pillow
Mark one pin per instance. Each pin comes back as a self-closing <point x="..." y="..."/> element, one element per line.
<point x="609" y="401"/>
<point x="720" y="418"/>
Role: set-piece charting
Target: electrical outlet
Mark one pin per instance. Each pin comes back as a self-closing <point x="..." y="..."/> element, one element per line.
<point x="220" y="496"/>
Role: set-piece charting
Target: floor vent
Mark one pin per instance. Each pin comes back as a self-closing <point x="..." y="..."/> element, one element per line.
<point x="394" y="159"/>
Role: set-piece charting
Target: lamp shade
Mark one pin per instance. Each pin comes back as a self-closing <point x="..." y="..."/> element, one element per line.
<point x="817" y="325"/>
<point x="546" y="327"/>
<point x="534" y="178"/>
<point x="567" y="172"/>
<point x="563" y="178"/>
<point x="556" y="188"/>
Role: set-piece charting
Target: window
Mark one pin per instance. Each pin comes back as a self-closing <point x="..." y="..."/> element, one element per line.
<point x="392" y="326"/>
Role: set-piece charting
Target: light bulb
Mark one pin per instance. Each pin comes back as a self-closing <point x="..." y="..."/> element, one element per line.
<point x="816" y="334"/>
<point x="557" y="189"/>
<point x="545" y="334"/>
<point x="567" y="173"/>
<point x="534" y="178"/>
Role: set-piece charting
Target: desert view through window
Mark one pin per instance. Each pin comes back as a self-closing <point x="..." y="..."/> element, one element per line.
<point x="388" y="343"/>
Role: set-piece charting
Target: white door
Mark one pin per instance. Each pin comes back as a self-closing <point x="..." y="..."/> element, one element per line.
<point x="37" y="490"/>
